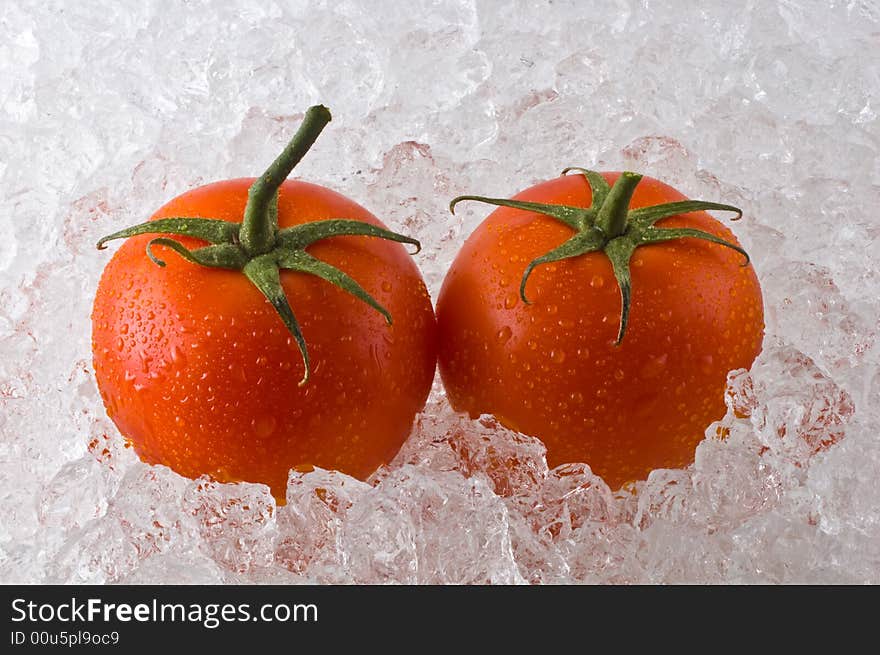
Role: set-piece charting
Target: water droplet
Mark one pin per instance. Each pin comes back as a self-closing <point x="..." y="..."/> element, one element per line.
<point x="120" y="344"/>
<point x="177" y="355"/>
<point x="532" y="344"/>
<point x="146" y="360"/>
<point x="597" y="282"/>
<point x="510" y="301"/>
<point x="583" y="353"/>
<point x="552" y="309"/>
<point x="619" y="375"/>
<point x="504" y="334"/>
<point x="262" y="360"/>
<point x="557" y="356"/>
<point x="666" y="315"/>
<point x="386" y="286"/>
<point x="375" y="358"/>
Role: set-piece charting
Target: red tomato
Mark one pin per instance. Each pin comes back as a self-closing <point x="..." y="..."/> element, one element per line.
<point x="199" y="372"/>
<point x="553" y="368"/>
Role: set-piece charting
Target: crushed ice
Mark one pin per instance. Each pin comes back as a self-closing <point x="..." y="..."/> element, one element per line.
<point x="108" y="109"/>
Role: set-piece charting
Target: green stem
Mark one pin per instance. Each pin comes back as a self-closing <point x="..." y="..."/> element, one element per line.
<point x="260" y="224"/>
<point x="613" y="228"/>
<point x="257" y="248"/>
<point x="611" y="218"/>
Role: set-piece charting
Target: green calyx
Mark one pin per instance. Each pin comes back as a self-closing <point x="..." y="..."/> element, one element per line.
<point x="256" y="246"/>
<point x="610" y="226"/>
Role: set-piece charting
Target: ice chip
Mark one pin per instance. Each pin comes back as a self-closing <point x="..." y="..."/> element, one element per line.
<point x="430" y="528"/>
<point x="110" y="109"/>
<point x="236" y="522"/>
<point x="310" y="523"/>
<point x="76" y="495"/>
<point x="791" y="404"/>
<point x="512" y="463"/>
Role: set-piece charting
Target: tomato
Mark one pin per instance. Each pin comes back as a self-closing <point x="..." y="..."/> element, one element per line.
<point x="622" y="366"/>
<point x="202" y="373"/>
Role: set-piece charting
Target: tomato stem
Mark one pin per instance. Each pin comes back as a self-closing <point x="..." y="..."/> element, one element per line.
<point x="608" y="225"/>
<point x="612" y="215"/>
<point x="259" y="228"/>
<point x="257" y="248"/>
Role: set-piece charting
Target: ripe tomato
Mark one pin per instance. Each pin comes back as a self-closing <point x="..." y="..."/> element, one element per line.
<point x="561" y="368"/>
<point x="199" y="372"/>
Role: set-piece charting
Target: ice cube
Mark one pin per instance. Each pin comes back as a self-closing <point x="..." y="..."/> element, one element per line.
<point x="109" y="109"/>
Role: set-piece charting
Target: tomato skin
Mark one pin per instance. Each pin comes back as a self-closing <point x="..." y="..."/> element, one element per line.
<point x="551" y="369"/>
<point x="198" y="372"/>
